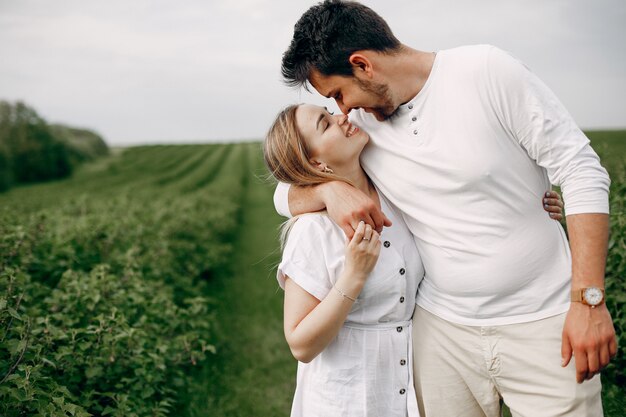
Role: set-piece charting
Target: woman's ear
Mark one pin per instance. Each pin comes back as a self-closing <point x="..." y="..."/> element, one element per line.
<point x="320" y="166"/>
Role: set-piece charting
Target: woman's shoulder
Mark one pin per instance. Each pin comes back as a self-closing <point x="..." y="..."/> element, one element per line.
<point x="313" y="223"/>
<point x="316" y="229"/>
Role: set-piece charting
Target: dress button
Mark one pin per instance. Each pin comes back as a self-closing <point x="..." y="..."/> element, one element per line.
<point x="399" y="329"/>
<point x="402" y="299"/>
<point x="410" y="106"/>
<point x="402" y="271"/>
<point x="415" y="132"/>
<point x="387" y="244"/>
<point x="402" y="391"/>
<point x="402" y="362"/>
<point x="414" y="118"/>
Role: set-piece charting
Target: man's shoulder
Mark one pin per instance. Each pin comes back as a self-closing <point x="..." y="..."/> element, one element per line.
<point x="474" y="65"/>
<point x="477" y="52"/>
<point x="483" y="55"/>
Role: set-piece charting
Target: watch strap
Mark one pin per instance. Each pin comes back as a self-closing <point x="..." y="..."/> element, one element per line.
<point x="577" y="295"/>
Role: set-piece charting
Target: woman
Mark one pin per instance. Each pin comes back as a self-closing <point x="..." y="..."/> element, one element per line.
<point x="347" y="310"/>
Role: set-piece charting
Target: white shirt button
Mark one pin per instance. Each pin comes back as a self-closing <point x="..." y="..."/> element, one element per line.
<point x="415" y="132"/>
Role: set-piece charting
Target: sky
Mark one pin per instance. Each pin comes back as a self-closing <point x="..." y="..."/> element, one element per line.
<point x="192" y="71"/>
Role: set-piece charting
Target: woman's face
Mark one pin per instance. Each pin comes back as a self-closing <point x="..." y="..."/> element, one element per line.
<point x="332" y="140"/>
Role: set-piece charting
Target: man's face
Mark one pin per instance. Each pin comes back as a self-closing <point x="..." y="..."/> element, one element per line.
<point x="351" y="92"/>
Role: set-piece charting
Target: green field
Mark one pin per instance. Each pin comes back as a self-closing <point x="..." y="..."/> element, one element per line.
<point x="144" y="286"/>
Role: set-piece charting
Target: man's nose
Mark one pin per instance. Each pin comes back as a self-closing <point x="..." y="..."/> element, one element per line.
<point x="344" y="109"/>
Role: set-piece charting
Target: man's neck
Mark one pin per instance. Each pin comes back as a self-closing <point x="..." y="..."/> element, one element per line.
<point x="408" y="72"/>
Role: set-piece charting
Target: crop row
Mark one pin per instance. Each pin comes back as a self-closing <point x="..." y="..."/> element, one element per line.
<point x="103" y="301"/>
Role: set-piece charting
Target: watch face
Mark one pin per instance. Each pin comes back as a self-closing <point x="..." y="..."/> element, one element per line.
<point x="593" y="296"/>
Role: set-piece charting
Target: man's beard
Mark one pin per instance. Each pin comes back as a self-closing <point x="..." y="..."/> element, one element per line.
<point x="386" y="109"/>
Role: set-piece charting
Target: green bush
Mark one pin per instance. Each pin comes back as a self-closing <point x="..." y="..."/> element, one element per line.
<point x="35" y="153"/>
<point x="616" y="275"/>
<point x="6" y="170"/>
<point x="98" y="343"/>
<point x="82" y="144"/>
<point x="103" y="306"/>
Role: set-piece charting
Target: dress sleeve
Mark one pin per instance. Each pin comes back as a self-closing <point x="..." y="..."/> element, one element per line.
<point x="305" y="256"/>
<point x="533" y="115"/>
<point x="281" y="199"/>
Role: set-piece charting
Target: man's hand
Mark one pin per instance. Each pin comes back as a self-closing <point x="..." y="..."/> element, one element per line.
<point x="347" y="206"/>
<point x="588" y="333"/>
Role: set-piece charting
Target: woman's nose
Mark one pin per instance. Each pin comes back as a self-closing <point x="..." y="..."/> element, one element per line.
<point x="341" y="118"/>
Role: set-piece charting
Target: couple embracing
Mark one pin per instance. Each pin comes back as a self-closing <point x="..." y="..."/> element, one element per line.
<point x="422" y="274"/>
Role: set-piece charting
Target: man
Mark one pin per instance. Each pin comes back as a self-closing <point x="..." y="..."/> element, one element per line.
<point x="462" y="142"/>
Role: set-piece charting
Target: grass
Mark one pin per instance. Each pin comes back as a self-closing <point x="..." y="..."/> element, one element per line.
<point x="253" y="373"/>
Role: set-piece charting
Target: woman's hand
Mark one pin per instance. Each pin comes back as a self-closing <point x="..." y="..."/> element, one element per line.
<point x="362" y="252"/>
<point x="553" y="204"/>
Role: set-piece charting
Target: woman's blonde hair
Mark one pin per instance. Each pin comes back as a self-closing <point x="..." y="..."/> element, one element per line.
<point x="287" y="157"/>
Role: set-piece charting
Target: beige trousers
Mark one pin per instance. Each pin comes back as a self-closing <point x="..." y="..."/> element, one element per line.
<point x="469" y="370"/>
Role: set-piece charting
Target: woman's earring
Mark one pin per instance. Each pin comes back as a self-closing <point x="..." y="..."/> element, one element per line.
<point x="328" y="170"/>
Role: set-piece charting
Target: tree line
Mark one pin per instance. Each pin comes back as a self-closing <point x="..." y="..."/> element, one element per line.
<point x="31" y="150"/>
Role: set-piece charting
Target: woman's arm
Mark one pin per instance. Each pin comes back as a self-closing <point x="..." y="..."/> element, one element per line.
<point x="310" y="324"/>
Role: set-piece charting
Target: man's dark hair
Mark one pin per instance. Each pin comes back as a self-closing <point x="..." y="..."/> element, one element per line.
<point x="327" y="34"/>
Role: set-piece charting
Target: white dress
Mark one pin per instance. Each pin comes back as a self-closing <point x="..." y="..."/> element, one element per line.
<point x="366" y="371"/>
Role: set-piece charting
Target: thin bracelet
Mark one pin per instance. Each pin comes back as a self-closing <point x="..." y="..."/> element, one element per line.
<point x="344" y="294"/>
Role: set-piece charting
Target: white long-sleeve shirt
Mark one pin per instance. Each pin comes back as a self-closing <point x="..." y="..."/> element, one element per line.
<point x="467" y="161"/>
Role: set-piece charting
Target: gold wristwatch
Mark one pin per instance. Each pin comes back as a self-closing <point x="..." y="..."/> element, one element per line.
<point x="591" y="296"/>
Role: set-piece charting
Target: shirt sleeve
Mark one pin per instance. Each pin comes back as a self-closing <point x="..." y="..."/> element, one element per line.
<point x="281" y="199"/>
<point x="544" y="128"/>
<point x="305" y="256"/>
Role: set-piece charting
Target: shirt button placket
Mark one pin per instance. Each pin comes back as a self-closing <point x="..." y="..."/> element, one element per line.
<point x="413" y="119"/>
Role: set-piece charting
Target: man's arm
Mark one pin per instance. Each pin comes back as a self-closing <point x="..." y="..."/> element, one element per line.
<point x="346" y="205"/>
<point x="544" y="128"/>
<point x="588" y="332"/>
